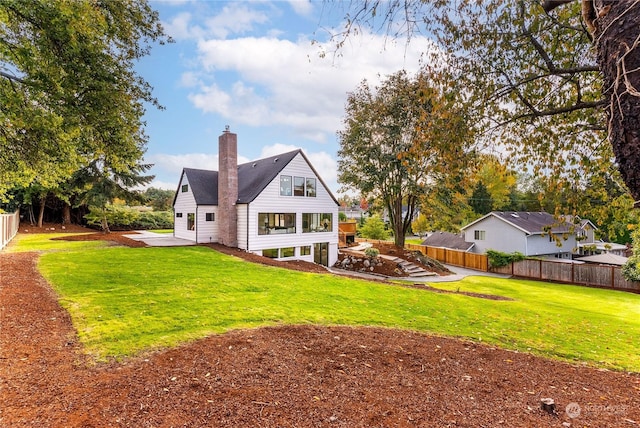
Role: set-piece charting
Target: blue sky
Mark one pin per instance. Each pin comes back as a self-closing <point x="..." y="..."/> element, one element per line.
<point x="252" y="65"/>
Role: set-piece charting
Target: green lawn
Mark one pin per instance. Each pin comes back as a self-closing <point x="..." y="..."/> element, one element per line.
<point x="128" y="300"/>
<point x="161" y="230"/>
<point x="46" y="242"/>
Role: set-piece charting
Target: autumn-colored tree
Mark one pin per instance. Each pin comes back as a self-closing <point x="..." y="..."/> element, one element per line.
<point x="398" y="138"/>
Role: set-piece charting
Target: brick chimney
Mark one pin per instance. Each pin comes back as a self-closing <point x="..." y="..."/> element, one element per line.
<point x="228" y="188"/>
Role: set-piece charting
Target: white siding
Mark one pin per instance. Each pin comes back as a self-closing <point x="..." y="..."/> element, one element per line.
<point x="185" y="203"/>
<point x="207" y="231"/>
<point x="500" y="236"/>
<point x="270" y="201"/>
<point x="241" y="209"/>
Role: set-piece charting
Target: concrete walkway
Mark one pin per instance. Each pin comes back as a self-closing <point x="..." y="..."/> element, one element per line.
<point x="153" y="239"/>
<point x="458" y="274"/>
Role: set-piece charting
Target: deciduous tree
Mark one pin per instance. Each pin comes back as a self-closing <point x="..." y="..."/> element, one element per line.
<point x="397" y="139"/>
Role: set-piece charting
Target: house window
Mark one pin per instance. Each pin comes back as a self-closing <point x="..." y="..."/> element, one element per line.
<point x="179" y="215"/>
<point x="479" y="235"/>
<point x="317" y="222"/>
<point x="287" y="252"/>
<point x="305" y="251"/>
<point x="272" y="253"/>
<point x="276" y="223"/>
<point x="210" y="217"/>
<point x="285" y="185"/>
<point x="191" y="221"/>
<point x="298" y="186"/>
<point x="311" y="187"/>
<point x="185" y="188"/>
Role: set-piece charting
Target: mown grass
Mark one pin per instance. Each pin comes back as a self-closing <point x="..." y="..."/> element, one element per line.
<point x="161" y="230"/>
<point x="124" y="301"/>
<point x="46" y="242"/>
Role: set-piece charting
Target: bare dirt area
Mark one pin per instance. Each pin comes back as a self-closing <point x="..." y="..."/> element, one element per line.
<point x="285" y="376"/>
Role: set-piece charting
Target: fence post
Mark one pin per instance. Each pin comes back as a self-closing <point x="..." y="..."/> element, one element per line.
<point x="613" y="282"/>
<point x="573" y="268"/>
<point x="540" y="271"/>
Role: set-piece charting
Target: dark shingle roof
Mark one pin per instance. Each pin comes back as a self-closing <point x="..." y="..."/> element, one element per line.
<point x="253" y="177"/>
<point x="529" y="222"/>
<point x="202" y="181"/>
<point x="447" y="240"/>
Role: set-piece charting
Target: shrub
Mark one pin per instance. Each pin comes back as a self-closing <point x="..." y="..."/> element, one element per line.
<point x="121" y="217"/>
<point x="373" y="228"/>
<point x="499" y="259"/>
<point x="372" y="252"/>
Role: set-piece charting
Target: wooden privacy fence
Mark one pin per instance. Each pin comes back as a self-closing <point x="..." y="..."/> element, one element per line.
<point x="581" y="274"/>
<point x="444" y="255"/>
<point x="8" y="227"/>
<point x="454" y="257"/>
<point x="544" y="270"/>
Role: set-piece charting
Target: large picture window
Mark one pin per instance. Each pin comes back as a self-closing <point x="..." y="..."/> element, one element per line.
<point x="317" y="222"/>
<point x="275" y="223"/>
<point x="285" y="185"/>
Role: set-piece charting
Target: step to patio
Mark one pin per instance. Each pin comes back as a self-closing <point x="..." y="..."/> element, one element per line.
<point x="412" y="269"/>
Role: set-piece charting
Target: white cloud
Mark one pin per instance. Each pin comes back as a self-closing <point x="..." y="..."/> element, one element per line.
<point x="276" y="149"/>
<point x="280" y="82"/>
<point x="189" y="79"/>
<point x="173" y="164"/>
<point x="234" y="18"/>
<point x="302" y="7"/>
<point x="181" y="28"/>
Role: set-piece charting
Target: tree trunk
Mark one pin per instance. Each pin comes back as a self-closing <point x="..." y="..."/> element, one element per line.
<point x="41" y="212"/>
<point x="66" y="213"/>
<point x="104" y="222"/>
<point x="395" y="215"/>
<point x="617" y="39"/>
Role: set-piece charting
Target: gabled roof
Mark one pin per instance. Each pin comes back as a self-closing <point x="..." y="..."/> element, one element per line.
<point x="447" y="240"/>
<point x="201" y="182"/>
<point x="253" y="177"/>
<point x="532" y="223"/>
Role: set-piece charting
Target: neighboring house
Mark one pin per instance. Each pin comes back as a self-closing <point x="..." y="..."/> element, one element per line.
<point x="524" y="232"/>
<point x="589" y="245"/>
<point x="605" y="259"/>
<point x="353" y="212"/>
<point x="277" y="207"/>
<point x="448" y="240"/>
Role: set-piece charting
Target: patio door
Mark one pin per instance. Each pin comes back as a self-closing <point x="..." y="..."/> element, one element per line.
<point x="321" y="253"/>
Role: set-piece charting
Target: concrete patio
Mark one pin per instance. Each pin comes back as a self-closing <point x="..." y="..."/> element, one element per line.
<point x="153" y="239"/>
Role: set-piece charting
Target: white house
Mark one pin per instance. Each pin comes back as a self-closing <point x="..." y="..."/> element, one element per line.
<point x="277" y="207"/>
<point x="524" y="232"/>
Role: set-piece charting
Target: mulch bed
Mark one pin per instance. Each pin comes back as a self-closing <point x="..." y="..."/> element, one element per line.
<point x="284" y="376"/>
